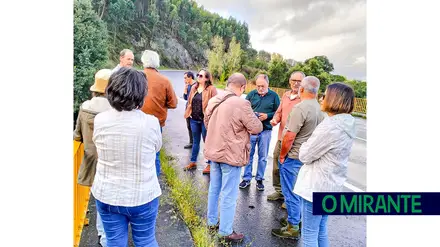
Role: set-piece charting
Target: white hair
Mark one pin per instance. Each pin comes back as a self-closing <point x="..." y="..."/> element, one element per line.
<point x="310" y="84"/>
<point x="150" y="59"/>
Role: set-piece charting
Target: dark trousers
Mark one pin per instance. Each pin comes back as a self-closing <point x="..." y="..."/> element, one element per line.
<point x="188" y="126"/>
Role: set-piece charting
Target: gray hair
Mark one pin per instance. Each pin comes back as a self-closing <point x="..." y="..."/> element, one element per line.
<point x="299" y="72"/>
<point x="150" y="59"/>
<point x="310" y="84"/>
<point x="124" y="52"/>
<point x="265" y="77"/>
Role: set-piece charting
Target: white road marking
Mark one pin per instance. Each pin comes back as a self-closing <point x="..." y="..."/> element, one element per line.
<point x="352" y="187"/>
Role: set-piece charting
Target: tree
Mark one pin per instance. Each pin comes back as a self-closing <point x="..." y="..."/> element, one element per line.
<point x="232" y="59"/>
<point x="277" y="71"/>
<point x="90" y="49"/>
<point x="215" y="57"/>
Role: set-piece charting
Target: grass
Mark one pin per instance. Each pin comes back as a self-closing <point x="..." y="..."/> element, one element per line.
<point x="221" y="85"/>
<point x="186" y="198"/>
<point x="361" y="115"/>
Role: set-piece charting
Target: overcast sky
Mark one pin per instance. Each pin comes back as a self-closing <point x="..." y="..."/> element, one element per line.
<point x="300" y="29"/>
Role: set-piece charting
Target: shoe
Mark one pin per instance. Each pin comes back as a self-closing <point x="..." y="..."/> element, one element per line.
<point x="288" y="231"/>
<point x="234" y="237"/>
<point x="260" y="185"/>
<point x="188" y="146"/>
<point x="283" y="222"/>
<point x="191" y="166"/>
<point x="214" y="227"/>
<point x="244" y="184"/>
<point x="207" y="169"/>
<point x="276" y="196"/>
<point x="283" y="206"/>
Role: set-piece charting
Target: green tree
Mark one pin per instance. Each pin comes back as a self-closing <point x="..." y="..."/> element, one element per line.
<point x="277" y="71"/>
<point x="90" y="49"/>
<point x="215" y="57"/>
<point x="232" y="59"/>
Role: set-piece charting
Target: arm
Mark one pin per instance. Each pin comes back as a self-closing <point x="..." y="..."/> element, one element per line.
<point x="277" y="117"/>
<point x="158" y="144"/>
<point x="317" y="145"/>
<point x="293" y="126"/>
<point x="275" y="107"/>
<point x="250" y="121"/>
<point x="208" y="113"/>
<point x="77" y="134"/>
<point x="171" y="98"/>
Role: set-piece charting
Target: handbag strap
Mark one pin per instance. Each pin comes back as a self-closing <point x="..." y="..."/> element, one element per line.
<point x="223" y="100"/>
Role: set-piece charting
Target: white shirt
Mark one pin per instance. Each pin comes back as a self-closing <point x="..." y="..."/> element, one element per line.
<point x="126" y="143"/>
<point x="325" y="156"/>
<point x="116" y="68"/>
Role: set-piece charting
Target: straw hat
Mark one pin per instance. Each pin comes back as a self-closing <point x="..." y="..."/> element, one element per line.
<point x="101" y="81"/>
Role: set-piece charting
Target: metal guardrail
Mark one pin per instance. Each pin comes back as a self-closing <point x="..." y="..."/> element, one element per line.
<point x="81" y="195"/>
<point x="360" y="104"/>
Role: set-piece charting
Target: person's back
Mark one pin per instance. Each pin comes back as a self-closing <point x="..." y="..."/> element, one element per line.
<point x="123" y="162"/>
<point x="161" y="95"/>
<point x="229" y="128"/>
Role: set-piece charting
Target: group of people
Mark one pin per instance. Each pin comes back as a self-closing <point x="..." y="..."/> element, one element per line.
<point x="121" y="128"/>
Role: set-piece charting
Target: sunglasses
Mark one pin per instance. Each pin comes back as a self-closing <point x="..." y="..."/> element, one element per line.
<point x="201" y="76"/>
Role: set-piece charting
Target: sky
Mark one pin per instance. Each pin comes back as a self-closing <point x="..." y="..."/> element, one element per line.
<point x="301" y="29"/>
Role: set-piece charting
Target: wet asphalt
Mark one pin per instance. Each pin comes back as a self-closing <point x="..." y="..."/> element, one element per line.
<point x="255" y="216"/>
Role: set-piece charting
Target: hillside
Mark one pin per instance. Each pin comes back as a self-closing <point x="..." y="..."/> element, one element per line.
<point x="179" y="30"/>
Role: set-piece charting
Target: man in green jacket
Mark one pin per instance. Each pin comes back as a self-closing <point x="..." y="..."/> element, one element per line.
<point x="264" y="103"/>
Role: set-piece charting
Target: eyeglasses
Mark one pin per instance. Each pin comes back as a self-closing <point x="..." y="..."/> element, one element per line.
<point x="201" y="76"/>
<point x="185" y="77"/>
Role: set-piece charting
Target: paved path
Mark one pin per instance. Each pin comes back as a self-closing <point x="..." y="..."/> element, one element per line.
<point x="255" y="216"/>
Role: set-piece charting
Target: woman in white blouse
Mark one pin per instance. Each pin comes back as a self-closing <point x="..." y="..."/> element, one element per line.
<point x="325" y="158"/>
<point x="126" y="187"/>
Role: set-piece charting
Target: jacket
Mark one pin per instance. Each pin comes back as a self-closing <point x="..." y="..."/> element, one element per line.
<point x="325" y="156"/>
<point x="207" y="94"/>
<point x="160" y="96"/>
<point x="228" y="130"/>
<point x="84" y="133"/>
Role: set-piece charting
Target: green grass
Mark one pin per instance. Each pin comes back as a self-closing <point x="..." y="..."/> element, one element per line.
<point x="221" y="85"/>
<point x="186" y="198"/>
<point x="355" y="114"/>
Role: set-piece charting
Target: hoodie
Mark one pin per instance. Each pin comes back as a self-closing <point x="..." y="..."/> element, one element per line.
<point x="325" y="156"/>
<point x="84" y="133"/>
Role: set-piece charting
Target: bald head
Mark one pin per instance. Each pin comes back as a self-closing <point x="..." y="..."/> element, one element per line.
<point x="237" y="83"/>
<point x="237" y="79"/>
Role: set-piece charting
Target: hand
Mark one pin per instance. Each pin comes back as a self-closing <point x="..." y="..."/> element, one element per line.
<point x="273" y="122"/>
<point x="262" y="117"/>
<point x="282" y="159"/>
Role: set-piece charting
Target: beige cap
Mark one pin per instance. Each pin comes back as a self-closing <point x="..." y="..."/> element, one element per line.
<point x="101" y="81"/>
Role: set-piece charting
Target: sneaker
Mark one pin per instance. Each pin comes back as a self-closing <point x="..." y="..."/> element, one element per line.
<point x="207" y="169"/>
<point x="276" y="196"/>
<point x="260" y="185"/>
<point x="289" y="231"/>
<point x="191" y="166"/>
<point x="283" y="222"/>
<point x="244" y="184"/>
<point x="214" y="227"/>
<point x="188" y="146"/>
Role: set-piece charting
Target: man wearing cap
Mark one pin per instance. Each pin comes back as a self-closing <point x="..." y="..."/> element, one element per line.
<point x="126" y="59"/>
<point x="84" y="133"/>
<point x="161" y="95"/>
<point x="229" y="120"/>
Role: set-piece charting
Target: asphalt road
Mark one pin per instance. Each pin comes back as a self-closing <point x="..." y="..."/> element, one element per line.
<point x="255" y="216"/>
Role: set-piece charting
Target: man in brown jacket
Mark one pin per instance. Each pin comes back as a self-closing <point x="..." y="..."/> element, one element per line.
<point x="229" y="120"/>
<point x="161" y="95"/>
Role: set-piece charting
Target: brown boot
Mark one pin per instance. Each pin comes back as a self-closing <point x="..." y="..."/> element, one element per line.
<point x="288" y="231"/>
<point x="191" y="166"/>
<point x="207" y="169"/>
<point x="283" y="206"/>
<point x="234" y="237"/>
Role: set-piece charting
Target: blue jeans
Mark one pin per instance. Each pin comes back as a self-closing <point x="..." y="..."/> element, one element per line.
<point x="198" y="130"/>
<point x="141" y="218"/>
<point x="288" y="174"/>
<point x="263" y="140"/>
<point x="100" y="229"/>
<point x="158" y="160"/>
<point x="314" y="227"/>
<point x="224" y="179"/>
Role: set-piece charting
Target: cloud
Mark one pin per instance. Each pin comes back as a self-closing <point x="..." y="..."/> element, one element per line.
<point x="301" y="29"/>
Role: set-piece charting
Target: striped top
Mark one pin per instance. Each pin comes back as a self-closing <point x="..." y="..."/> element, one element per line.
<point x="126" y="143"/>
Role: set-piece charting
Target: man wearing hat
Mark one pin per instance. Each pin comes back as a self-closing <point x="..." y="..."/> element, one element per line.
<point x="84" y="133"/>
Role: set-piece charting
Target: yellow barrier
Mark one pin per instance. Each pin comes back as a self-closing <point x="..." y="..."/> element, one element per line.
<point x="360" y="104"/>
<point x="81" y="195"/>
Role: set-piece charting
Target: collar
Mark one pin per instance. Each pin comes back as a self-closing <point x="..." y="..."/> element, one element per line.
<point x="150" y="68"/>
